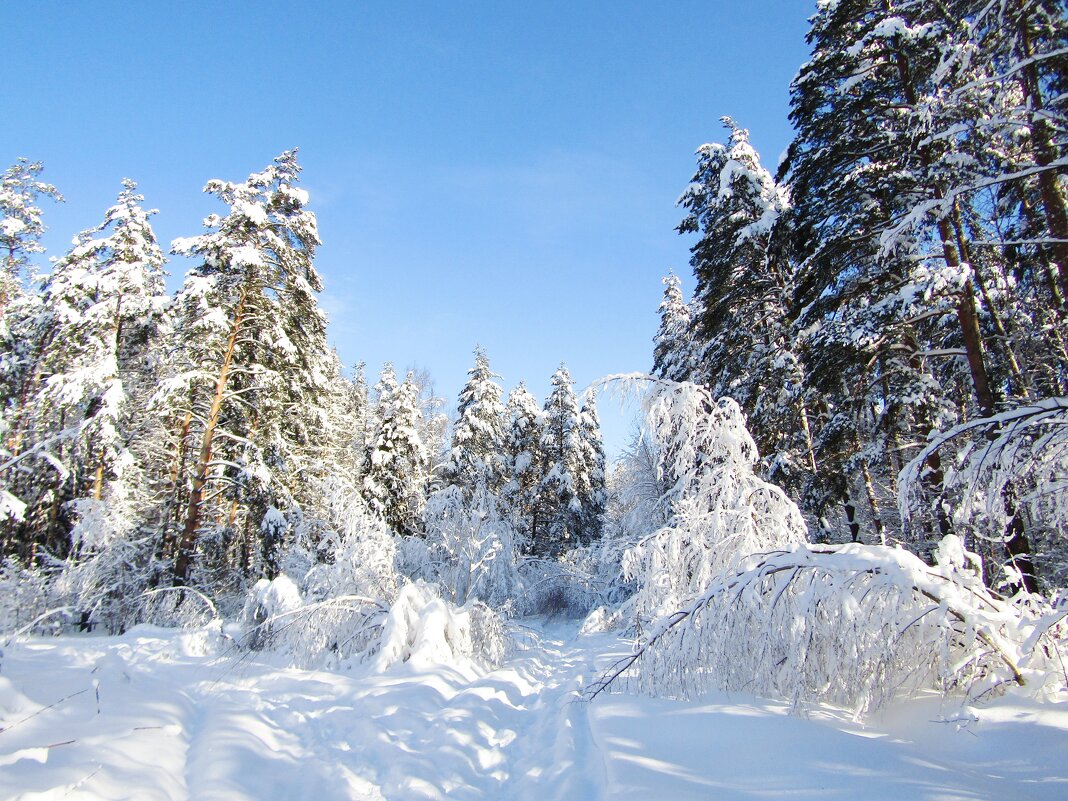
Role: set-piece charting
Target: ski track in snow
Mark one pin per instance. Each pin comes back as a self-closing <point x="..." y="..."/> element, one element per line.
<point x="175" y="724"/>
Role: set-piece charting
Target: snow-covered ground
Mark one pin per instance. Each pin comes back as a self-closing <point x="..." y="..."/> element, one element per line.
<point x="160" y="714"/>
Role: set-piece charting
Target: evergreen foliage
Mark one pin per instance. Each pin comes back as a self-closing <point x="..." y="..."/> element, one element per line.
<point x="900" y="278"/>
<point x="251" y="381"/>
<point x="524" y="462"/>
<point x="478" y="436"/>
<point x="564" y="471"/>
<point x="398" y="469"/>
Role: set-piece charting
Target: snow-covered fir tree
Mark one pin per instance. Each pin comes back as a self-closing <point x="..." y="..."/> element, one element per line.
<point x="676" y="348"/>
<point x="353" y="423"/>
<point x="398" y="465"/>
<point x="523" y="462"/>
<point x="106" y="299"/>
<point x="94" y="370"/>
<point x="384" y="391"/>
<point x="891" y="291"/>
<point x="478" y="435"/>
<point x="741" y="304"/>
<point x="592" y="480"/>
<point x="563" y="473"/>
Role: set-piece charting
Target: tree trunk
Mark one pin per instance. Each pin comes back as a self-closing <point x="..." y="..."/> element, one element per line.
<point x="968" y="320"/>
<point x="1042" y="140"/>
<point x="995" y="318"/>
<point x="873" y="502"/>
<point x="191" y="528"/>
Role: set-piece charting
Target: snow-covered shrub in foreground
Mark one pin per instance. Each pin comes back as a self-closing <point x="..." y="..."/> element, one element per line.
<point x="109" y="568"/>
<point x="423" y="630"/>
<point x="339" y="579"/>
<point x="470" y="549"/>
<point x="348" y="550"/>
<point x="851" y="625"/>
<point x="311" y="634"/>
<point x="420" y="627"/>
<point x="27" y="602"/>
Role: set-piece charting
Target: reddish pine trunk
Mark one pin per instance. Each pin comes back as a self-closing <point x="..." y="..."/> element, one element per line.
<point x="191" y="528"/>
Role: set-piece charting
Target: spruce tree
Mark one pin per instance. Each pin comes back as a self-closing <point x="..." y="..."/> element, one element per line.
<point x="675" y="347"/>
<point x="593" y="495"/>
<point x="523" y="463"/>
<point x="881" y="295"/>
<point x="563" y="471"/>
<point x="353" y="424"/>
<point x="742" y="302"/>
<point x="398" y="468"/>
<point x="476" y="456"/>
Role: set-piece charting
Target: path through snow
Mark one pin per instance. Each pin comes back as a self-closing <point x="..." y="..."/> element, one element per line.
<point x="173" y="722"/>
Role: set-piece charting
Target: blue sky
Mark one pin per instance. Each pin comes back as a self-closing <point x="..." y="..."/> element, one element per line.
<point x="493" y="173"/>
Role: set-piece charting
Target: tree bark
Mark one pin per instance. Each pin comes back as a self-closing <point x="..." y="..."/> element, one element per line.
<point x="190" y="530"/>
<point x="1042" y="140"/>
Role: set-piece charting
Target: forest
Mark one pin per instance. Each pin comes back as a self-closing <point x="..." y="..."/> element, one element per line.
<point x="847" y="486"/>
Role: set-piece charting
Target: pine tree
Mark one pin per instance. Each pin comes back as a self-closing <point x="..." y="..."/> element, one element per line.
<point x="881" y="294"/>
<point x="93" y="373"/>
<point x="106" y="299"/>
<point x="21" y="226"/>
<point x="253" y="374"/>
<point x="374" y="490"/>
<point x="888" y="177"/>
<point x="1011" y="68"/>
<point x="1002" y="98"/>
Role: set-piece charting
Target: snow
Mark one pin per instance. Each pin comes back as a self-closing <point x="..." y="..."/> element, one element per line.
<point x="423" y="631"/>
<point x="170" y="714"/>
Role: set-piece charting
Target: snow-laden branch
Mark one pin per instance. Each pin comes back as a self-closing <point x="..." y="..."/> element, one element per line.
<point x="1022" y="451"/>
<point x="852" y="625"/>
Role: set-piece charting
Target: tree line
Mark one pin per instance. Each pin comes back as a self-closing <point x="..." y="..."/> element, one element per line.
<point x="889" y="307"/>
<point x="150" y="440"/>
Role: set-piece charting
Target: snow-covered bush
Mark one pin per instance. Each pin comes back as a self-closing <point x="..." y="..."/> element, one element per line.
<point x="179" y="607"/>
<point x="318" y="634"/>
<point x="349" y="550"/>
<point x="730" y="596"/>
<point x="338" y="579"/>
<point x="423" y="630"/>
<point x="638" y="505"/>
<point x="420" y="628"/>
<point x="27" y="599"/>
<point x="470" y="549"/>
<point x="1011" y="465"/>
<point x="850" y="625"/>
<point x="109" y="567"/>
<point x="567" y="587"/>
